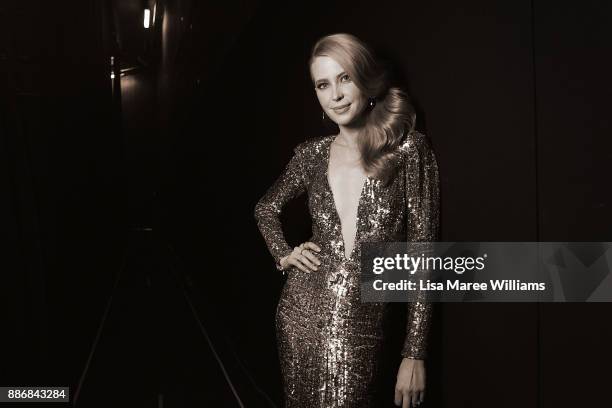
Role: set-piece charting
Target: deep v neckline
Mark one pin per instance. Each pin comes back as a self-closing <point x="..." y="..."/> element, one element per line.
<point x="331" y="191"/>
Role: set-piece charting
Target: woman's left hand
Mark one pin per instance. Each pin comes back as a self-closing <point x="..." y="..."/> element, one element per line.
<point x="410" y="385"/>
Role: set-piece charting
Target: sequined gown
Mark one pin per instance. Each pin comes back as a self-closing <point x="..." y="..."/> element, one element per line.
<point x="329" y="342"/>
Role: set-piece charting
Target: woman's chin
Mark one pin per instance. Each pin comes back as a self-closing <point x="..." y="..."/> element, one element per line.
<point x="343" y="121"/>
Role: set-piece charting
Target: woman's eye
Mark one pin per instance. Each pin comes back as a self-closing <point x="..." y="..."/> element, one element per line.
<point x="345" y="78"/>
<point x="322" y="86"/>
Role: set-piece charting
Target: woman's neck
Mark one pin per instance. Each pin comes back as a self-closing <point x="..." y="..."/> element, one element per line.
<point x="348" y="136"/>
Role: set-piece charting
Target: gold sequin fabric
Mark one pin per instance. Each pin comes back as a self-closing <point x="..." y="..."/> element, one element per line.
<point x="330" y="342"/>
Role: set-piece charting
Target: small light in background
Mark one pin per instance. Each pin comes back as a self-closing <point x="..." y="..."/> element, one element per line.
<point x="112" y="64"/>
<point x="147" y="16"/>
<point x="154" y="12"/>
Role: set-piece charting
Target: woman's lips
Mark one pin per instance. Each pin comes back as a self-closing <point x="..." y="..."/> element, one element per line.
<point x="342" y="109"/>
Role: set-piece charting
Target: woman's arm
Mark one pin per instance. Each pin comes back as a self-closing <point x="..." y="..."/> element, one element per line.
<point x="290" y="184"/>
<point x="423" y="201"/>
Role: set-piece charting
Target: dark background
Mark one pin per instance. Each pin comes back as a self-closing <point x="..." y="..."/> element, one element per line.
<point x="132" y="268"/>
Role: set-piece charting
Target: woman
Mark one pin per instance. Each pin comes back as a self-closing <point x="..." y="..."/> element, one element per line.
<point x="376" y="180"/>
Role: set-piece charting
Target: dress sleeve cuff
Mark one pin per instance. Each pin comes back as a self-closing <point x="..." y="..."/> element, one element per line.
<point x="414" y="354"/>
<point x="413" y="357"/>
<point x="281" y="256"/>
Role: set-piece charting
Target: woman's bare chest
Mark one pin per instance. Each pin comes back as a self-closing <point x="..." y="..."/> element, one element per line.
<point x="346" y="178"/>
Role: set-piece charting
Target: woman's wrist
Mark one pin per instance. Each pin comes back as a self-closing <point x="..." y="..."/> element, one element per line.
<point x="281" y="258"/>
<point x="281" y="262"/>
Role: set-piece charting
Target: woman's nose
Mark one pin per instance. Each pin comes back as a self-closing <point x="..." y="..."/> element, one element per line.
<point x="336" y="94"/>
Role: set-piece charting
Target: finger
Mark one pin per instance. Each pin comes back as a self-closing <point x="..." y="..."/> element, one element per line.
<point x="306" y="262"/>
<point x="421" y="397"/>
<point x="311" y="257"/>
<point x="421" y="392"/>
<point x="421" y="385"/>
<point x="299" y="253"/>
<point x="312" y="245"/>
<point x="296" y="262"/>
<point x="398" y="397"/>
<point x="298" y="257"/>
<point x="414" y="399"/>
<point x="405" y="400"/>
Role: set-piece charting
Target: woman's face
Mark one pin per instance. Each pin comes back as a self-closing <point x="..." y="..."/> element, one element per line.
<point x="338" y="95"/>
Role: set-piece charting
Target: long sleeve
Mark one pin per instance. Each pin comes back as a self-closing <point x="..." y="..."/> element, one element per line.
<point x="423" y="201"/>
<point x="289" y="185"/>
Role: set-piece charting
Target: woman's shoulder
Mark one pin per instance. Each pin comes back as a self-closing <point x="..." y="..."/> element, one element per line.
<point x="415" y="142"/>
<point x="314" y="146"/>
<point x="414" y="139"/>
<point x="311" y="152"/>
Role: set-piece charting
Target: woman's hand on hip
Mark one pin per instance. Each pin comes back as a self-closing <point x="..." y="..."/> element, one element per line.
<point x="410" y="385"/>
<point x="303" y="257"/>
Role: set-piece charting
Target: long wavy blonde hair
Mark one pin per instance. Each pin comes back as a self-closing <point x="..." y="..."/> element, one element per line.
<point x="391" y="118"/>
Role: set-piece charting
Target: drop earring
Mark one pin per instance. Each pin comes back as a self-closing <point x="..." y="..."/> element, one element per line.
<point x="372" y="102"/>
<point x="323" y="115"/>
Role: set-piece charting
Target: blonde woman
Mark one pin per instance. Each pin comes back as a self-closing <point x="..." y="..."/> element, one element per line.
<point x="375" y="180"/>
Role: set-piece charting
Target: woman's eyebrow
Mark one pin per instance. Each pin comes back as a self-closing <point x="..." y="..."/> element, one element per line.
<point x="324" y="79"/>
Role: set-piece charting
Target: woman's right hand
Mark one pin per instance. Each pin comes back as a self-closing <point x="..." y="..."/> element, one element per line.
<point x="302" y="257"/>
